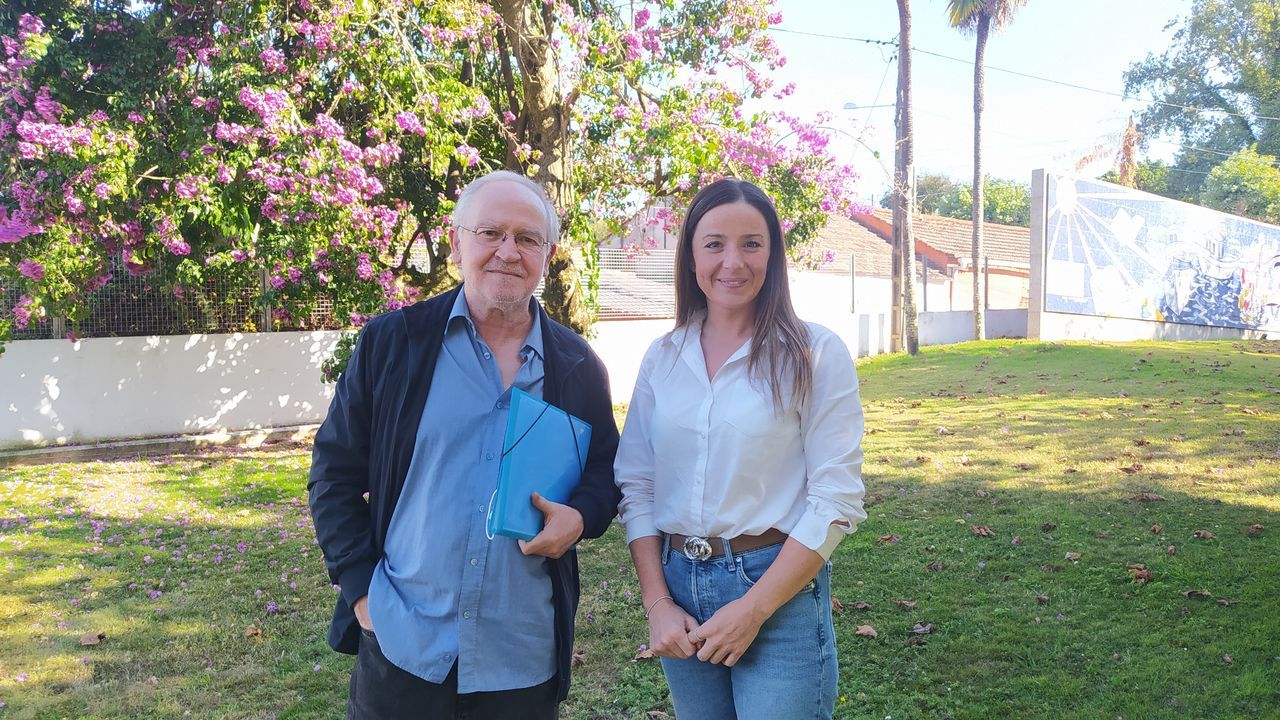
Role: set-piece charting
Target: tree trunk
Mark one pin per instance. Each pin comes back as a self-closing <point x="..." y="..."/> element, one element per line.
<point x="529" y="25"/>
<point x="979" y="311"/>
<point x="904" y="165"/>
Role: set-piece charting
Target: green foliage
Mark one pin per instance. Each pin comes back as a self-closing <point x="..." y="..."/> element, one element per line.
<point x="331" y="369"/>
<point x="1152" y="177"/>
<point x="1215" y="87"/>
<point x="1006" y="202"/>
<point x="1246" y="183"/>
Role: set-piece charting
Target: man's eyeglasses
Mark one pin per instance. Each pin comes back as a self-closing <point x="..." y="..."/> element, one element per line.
<point x="492" y="237"/>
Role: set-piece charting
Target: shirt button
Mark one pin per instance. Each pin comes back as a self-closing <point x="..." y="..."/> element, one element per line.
<point x="474" y="562"/>
<point x="466" y="615"/>
<point x="501" y="404"/>
<point x="487" y="356"/>
<point x="488" y="456"/>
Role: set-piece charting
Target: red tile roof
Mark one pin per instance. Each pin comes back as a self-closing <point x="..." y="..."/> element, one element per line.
<point x="1006" y="245"/>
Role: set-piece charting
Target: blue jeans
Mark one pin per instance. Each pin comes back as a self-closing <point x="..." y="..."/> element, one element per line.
<point x="788" y="673"/>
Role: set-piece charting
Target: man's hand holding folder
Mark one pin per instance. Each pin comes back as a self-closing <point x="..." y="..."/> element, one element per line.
<point x="562" y="526"/>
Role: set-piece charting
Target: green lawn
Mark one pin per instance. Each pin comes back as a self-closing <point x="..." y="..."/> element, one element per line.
<point x="201" y="570"/>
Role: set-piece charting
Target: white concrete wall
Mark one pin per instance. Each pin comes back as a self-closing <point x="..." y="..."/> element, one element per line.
<point x="945" y="328"/>
<point x="56" y="392"/>
<point x="1064" y="326"/>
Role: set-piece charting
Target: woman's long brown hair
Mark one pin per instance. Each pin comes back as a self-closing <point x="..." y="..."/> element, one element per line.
<point x="780" y="341"/>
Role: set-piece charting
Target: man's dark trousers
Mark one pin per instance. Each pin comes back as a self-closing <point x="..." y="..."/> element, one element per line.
<point x="381" y="691"/>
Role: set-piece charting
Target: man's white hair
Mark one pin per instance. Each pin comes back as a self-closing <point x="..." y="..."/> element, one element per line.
<point x="548" y="209"/>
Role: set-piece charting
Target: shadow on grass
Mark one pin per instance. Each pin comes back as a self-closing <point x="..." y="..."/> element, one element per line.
<point x="1055" y="623"/>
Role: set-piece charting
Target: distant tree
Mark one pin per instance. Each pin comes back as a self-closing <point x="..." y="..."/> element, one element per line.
<point x="1217" y="87"/>
<point x="979" y="17"/>
<point x="931" y="188"/>
<point x="1150" y="176"/>
<point x="1247" y="183"/>
<point x="1007" y="202"/>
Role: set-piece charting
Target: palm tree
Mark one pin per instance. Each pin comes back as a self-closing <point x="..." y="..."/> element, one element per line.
<point x="980" y="17"/>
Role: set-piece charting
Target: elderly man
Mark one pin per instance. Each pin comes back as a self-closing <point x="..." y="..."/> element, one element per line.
<point x="446" y="622"/>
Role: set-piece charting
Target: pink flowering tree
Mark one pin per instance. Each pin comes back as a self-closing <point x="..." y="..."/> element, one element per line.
<point x="312" y="150"/>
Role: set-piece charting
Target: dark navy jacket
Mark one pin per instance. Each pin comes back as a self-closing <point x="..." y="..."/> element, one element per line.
<point x="367" y="441"/>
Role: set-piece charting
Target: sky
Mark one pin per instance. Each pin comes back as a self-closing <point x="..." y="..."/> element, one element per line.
<point x="1027" y="123"/>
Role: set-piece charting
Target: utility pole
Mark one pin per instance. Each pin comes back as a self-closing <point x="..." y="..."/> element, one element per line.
<point x="904" y="326"/>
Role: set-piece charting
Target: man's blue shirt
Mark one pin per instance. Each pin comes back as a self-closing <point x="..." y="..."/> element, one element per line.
<point x="443" y="592"/>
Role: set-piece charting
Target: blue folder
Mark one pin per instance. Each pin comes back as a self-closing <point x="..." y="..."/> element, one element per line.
<point x="544" y="451"/>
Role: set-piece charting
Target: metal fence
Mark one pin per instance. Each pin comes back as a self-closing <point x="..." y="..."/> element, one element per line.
<point x="635" y="285"/>
<point x="131" y="305"/>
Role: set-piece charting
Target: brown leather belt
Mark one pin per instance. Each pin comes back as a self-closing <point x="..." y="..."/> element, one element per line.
<point x="692" y="548"/>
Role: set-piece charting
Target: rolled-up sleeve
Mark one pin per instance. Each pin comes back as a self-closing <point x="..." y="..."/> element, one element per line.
<point x="634" y="467"/>
<point x="831" y="424"/>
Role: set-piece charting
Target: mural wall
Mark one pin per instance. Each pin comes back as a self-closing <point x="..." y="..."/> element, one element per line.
<point x="1117" y="252"/>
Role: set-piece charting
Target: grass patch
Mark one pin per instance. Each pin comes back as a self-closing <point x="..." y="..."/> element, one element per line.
<point x="201" y="568"/>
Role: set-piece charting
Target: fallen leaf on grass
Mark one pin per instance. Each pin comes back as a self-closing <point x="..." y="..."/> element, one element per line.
<point x="1023" y="466"/>
<point x="866" y="631"/>
<point x="1172" y="550"/>
<point x="982" y="531"/>
<point x="1250" y="411"/>
<point x="870" y="500"/>
<point x="921" y="628"/>
<point x="1254" y="530"/>
<point x="1234" y="432"/>
<point x="1049" y="568"/>
<point x="1101" y="535"/>
<point x="1157" y="529"/>
<point x="922" y="459"/>
<point x="1048" y="527"/>
<point x="1070" y="470"/>
<point x="935" y="565"/>
<point x="836" y="605"/>
<point x="657" y="715"/>
<point x="92" y="638"/>
<point x="579" y="658"/>
<point x="1073" y="556"/>
<point x="942" y="430"/>
<point x="917" y="640"/>
<point x="1197" y="593"/>
<point x="908" y="604"/>
<point x="964" y="460"/>
<point x="1203" y="534"/>
<point x="1225" y="602"/>
<point x="888" y="539"/>
<point x="252" y="631"/>
<point x="643" y="654"/>
<point x="860" y="605"/>
<point x="1131" y="469"/>
<point x="1017" y="540"/>
<point x="1227" y="659"/>
<point x="981" y="493"/>
<point x="1042" y="599"/>
<point x="1146" y="497"/>
<point x="1141" y="576"/>
<point x="1142" y="442"/>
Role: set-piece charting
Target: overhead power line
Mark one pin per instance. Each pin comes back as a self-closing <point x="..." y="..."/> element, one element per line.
<point x="1111" y="93"/>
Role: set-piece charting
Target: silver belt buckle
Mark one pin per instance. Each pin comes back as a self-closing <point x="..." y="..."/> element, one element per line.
<point x="697" y="548"/>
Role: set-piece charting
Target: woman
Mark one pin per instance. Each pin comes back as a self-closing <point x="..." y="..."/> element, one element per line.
<point x="740" y="471"/>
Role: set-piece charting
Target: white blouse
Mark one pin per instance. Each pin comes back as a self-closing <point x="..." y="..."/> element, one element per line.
<point x="714" y="458"/>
